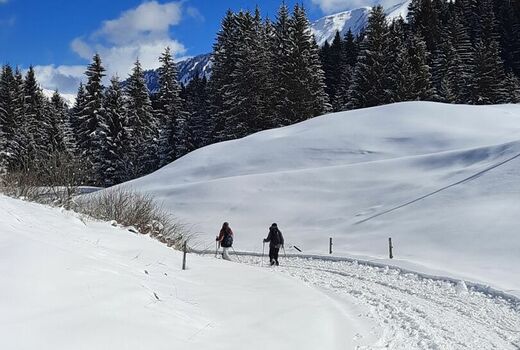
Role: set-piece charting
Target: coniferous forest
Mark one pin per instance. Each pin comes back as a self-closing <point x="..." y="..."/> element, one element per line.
<point x="266" y="73"/>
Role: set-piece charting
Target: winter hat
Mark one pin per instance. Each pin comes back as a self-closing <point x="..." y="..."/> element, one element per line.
<point x="274" y="224"/>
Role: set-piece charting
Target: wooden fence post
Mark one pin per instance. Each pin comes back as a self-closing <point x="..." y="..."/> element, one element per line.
<point x="390" y="248"/>
<point x="184" y="257"/>
<point x="330" y="245"/>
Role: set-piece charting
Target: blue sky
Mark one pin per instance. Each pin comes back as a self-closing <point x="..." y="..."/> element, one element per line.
<point x="58" y="37"/>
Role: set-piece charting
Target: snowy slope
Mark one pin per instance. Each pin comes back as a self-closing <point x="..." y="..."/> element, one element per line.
<point x="324" y="29"/>
<point x="322" y="177"/>
<point x="69" y="284"/>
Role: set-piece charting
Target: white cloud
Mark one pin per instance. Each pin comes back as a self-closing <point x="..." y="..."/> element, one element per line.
<point x="142" y="32"/>
<point x="331" y="6"/>
<point x="64" y="78"/>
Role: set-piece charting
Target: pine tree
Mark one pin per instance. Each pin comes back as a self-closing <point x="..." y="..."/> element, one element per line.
<point x="461" y="71"/>
<point x="36" y="121"/>
<point x="196" y="98"/>
<point x="91" y="121"/>
<point x="141" y="121"/>
<point x="116" y="163"/>
<point x="170" y="112"/>
<point x="303" y="76"/>
<point x="223" y="65"/>
<point x="332" y="57"/>
<point x="348" y="62"/>
<point x="59" y="128"/>
<point x="371" y="79"/>
<point x="489" y="67"/>
<point x="281" y="51"/>
<point x="8" y="119"/>
<point x="75" y="117"/>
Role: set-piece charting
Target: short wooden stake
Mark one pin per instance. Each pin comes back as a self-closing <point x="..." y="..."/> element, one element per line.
<point x="330" y="245"/>
<point x="390" y="248"/>
<point x="184" y="257"/>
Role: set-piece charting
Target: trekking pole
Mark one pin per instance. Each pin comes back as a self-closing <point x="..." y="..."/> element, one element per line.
<point x="235" y="253"/>
<point x="284" y="253"/>
<point x="216" y="247"/>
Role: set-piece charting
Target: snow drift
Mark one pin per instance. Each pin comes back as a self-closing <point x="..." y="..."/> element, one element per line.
<point x="324" y="177"/>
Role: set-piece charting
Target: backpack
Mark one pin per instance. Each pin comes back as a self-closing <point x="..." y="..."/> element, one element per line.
<point x="227" y="241"/>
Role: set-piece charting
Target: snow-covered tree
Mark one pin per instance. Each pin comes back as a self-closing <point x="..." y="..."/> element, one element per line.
<point x="170" y="112"/>
<point x="371" y="76"/>
<point x="141" y="121"/>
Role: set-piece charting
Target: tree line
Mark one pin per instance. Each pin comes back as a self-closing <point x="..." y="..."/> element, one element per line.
<point x="265" y="74"/>
<point x="466" y="51"/>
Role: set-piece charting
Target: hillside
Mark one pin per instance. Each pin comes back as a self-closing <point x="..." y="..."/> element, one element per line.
<point x="323" y="177"/>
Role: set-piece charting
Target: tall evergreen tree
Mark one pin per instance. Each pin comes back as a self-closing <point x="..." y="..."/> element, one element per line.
<point x="196" y="98"/>
<point x="36" y="120"/>
<point x="91" y="120"/>
<point x="223" y="65"/>
<point x="170" y="112"/>
<point x="9" y="94"/>
<point x="116" y="165"/>
<point x="59" y="127"/>
<point x="489" y="69"/>
<point x="142" y="123"/>
<point x="371" y="79"/>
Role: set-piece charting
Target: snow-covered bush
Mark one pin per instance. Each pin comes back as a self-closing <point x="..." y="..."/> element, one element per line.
<point x="133" y="209"/>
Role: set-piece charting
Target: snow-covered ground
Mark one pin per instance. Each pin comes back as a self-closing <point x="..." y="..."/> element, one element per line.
<point x="71" y="283"/>
<point x="67" y="283"/>
<point x="322" y="178"/>
<point x="410" y="312"/>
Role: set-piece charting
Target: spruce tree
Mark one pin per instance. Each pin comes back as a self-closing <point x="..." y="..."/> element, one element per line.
<point x="170" y="112"/>
<point x="144" y="153"/>
<point x="59" y="127"/>
<point x="8" y="118"/>
<point x="36" y="121"/>
<point x="91" y="121"/>
<point x="489" y="68"/>
<point x="304" y="78"/>
<point x="196" y="98"/>
<point x="223" y="65"/>
<point x="116" y="163"/>
<point x="371" y="79"/>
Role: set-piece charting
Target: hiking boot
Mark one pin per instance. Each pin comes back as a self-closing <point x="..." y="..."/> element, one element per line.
<point x="277" y="263"/>
<point x="272" y="262"/>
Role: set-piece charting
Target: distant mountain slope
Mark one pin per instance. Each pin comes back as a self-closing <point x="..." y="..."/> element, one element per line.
<point x="324" y="29"/>
<point x="196" y="66"/>
<point x="320" y="178"/>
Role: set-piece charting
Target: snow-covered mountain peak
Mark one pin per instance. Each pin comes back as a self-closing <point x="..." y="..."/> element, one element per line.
<point x="324" y="29"/>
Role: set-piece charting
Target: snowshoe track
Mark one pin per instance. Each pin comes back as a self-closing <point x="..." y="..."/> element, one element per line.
<point x="414" y="312"/>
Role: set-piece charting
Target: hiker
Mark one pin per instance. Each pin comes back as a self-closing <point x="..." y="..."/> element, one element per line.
<point x="225" y="238"/>
<point x="275" y="240"/>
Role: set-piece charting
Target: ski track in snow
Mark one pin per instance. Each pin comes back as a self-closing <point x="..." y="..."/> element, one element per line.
<point x="413" y="312"/>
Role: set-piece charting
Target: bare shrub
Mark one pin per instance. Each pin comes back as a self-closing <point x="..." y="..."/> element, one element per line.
<point x="54" y="180"/>
<point x="134" y="210"/>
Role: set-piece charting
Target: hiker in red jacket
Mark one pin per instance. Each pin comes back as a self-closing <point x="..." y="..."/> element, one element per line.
<point x="225" y="238"/>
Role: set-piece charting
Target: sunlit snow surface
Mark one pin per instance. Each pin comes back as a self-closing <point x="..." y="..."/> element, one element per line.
<point x="320" y="178"/>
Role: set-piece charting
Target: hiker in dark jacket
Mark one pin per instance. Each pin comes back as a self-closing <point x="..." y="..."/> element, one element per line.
<point x="225" y="238"/>
<point x="275" y="239"/>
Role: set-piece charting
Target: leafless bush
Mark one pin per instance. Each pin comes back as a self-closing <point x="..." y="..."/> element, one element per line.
<point x="53" y="181"/>
<point x="134" y="210"/>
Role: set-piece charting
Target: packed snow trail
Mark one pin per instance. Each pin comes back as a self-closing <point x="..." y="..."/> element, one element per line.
<point x="413" y="312"/>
